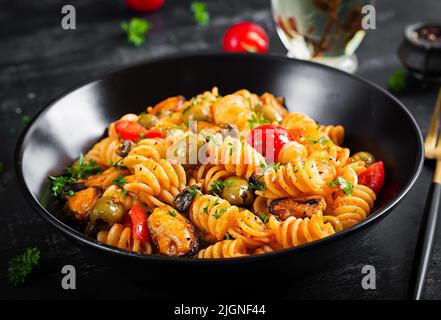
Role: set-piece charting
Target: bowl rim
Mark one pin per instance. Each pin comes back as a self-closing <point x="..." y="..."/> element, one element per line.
<point x="85" y="240"/>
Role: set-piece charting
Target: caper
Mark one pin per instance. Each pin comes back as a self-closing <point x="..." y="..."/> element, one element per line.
<point x="197" y="112"/>
<point x="124" y="149"/>
<point x="148" y="121"/>
<point x="271" y="114"/>
<point x="237" y="191"/>
<point x="106" y="212"/>
<point x="367" y="157"/>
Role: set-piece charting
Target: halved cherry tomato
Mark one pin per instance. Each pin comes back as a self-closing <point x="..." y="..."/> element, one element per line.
<point x="139" y="223"/>
<point x="144" y="5"/>
<point x="373" y="177"/>
<point x="268" y="139"/>
<point x="245" y="37"/>
<point x="132" y="130"/>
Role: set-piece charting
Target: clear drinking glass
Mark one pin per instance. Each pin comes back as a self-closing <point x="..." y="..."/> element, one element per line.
<point x="325" y="31"/>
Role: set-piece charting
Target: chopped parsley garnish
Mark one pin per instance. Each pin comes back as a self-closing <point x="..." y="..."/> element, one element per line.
<point x="345" y="186"/>
<point x="218" y="186"/>
<point x="263" y="218"/>
<point x="136" y="30"/>
<point x="398" y="81"/>
<point x="120" y="181"/>
<point x="320" y="140"/>
<point x="80" y="170"/>
<point x="25" y="119"/>
<point x="257" y="120"/>
<point x="275" y="166"/>
<point x="58" y="185"/>
<point x="200" y="13"/>
<point x="257" y="185"/>
<point x="172" y="213"/>
<point x="220" y="212"/>
<point x="194" y="191"/>
<point x="227" y="236"/>
<point x="142" y="135"/>
<point x="212" y="139"/>
<point x="22" y="265"/>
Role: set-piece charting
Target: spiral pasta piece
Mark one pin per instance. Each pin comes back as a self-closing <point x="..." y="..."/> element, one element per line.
<point x="213" y="216"/>
<point x="150" y="148"/>
<point x="239" y="158"/>
<point x="159" y="180"/>
<point x="335" y="133"/>
<point x="104" y="152"/>
<point x="207" y="174"/>
<point x="223" y="249"/>
<point x="121" y="237"/>
<point x="292" y="179"/>
<point x="297" y="231"/>
<point x="250" y="229"/>
<point x="351" y="209"/>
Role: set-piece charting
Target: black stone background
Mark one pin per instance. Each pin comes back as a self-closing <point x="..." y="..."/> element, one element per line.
<point x="39" y="60"/>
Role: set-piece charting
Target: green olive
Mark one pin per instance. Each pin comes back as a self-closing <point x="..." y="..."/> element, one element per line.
<point x="271" y="114"/>
<point x="187" y="152"/>
<point x="197" y="112"/>
<point x="106" y="212"/>
<point x="367" y="157"/>
<point x="237" y="191"/>
<point x="148" y="121"/>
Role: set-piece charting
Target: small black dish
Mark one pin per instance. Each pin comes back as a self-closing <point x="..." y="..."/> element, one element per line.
<point x="375" y="121"/>
<point x="420" y="51"/>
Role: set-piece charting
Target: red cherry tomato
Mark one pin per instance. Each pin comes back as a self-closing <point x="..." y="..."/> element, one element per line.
<point x="145" y="5"/>
<point x="139" y="223"/>
<point x="245" y="37"/>
<point x="373" y="177"/>
<point x="132" y="130"/>
<point x="268" y="139"/>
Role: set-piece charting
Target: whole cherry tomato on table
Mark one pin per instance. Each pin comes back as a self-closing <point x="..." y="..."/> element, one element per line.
<point x="139" y="223"/>
<point x="268" y="139"/>
<point x="373" y="177"/>
<point x="245" y="37"/>
<point x="133" y="131"/>
<point x="145" y="5"/>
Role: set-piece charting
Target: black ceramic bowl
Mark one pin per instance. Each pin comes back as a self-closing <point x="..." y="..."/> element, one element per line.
<point x="374" y="120"/>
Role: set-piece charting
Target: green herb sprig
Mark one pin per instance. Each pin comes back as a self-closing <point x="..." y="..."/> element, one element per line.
<point x="218" y="186"/>
<point x="81" y="170"/>
<point x="136" y="30"/>
<point x="257" y="120"/>
<point x="200" y="13"/>
<point x="345" y="186"/>
<point x="22" y="265"/>
<point x="398" y="81"/>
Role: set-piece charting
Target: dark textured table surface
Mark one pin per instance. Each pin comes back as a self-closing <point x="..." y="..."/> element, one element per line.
<point x="39" y="60"/>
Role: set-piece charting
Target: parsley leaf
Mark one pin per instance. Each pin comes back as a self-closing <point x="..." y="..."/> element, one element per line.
<point x="25" y="119"/>
<point x="200" y="13"/>
<point x="81" y="170"/>
<point x="218" y="186"/>
<point x="22" y="265"/>
<point x="136" y="30"/>
<point x="345" y="186"/>
<point x="398" y="81"/>
<point x="120" y="181"/>
<point x="220" y="212"/>
<point x="58" y="185"/>
<point x="172" y="213"/>
<point x="257" y="120"/>
<point x="194" y="191"/>
<point x="263" y="218"/>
